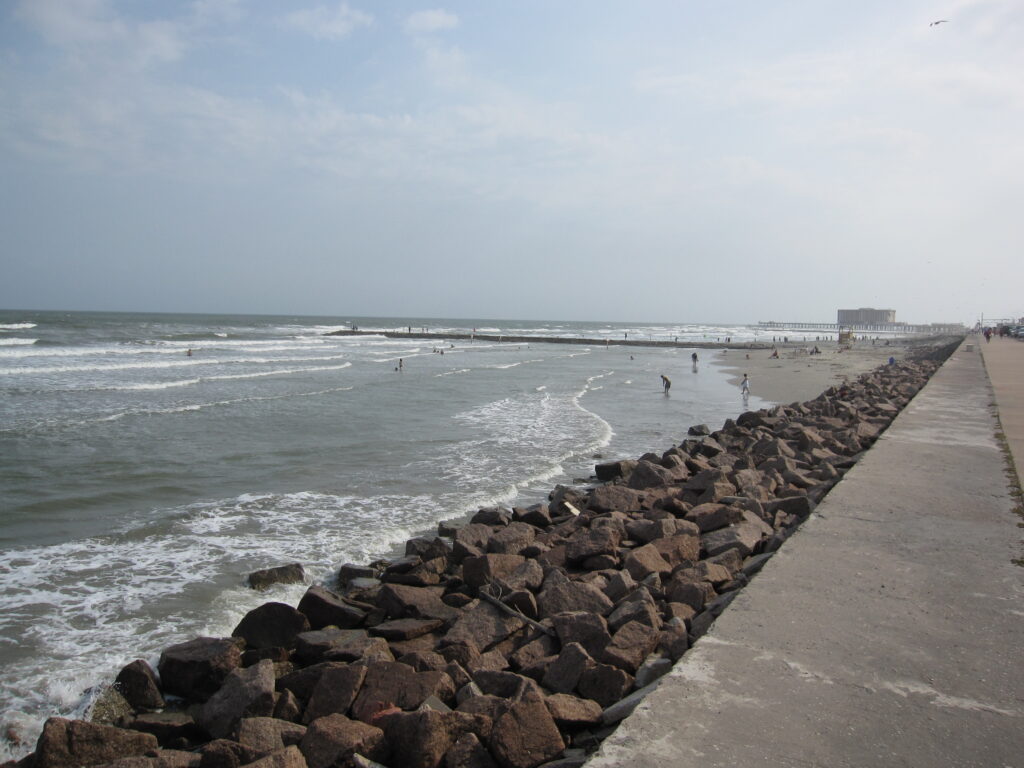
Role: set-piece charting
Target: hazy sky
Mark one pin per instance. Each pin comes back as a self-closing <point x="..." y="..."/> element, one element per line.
<point x="687" y="160"/>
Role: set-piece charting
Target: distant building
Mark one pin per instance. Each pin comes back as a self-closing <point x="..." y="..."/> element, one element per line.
<point x="866" y="316"/>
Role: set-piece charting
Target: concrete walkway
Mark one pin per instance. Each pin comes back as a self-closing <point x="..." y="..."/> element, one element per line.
<point x="1004" y="360"/>
<point x="886" y="632"/>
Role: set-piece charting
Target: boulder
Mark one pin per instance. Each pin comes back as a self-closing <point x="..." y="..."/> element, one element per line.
<point x="512" y="539"/>
<point x="630" y="646"/>
<point x="302" y="682"/>
<point x="711" y="517"/>
<point x="282" y="574"/>
<point x="400" y="601"/>
<point x="559" y="594"/>
<point x="323" y="608"/>
<point x="591" y="542"/>
<point x="611" y="470"/>
<point x="331" y="742"/>
<point x="588" y="629"/>
<point x="421" y="739"/>
<point x="391" y="684"/>
<point x="335" y="691"/>
<point x="643" y="561"/>
<point x="525" y="735"/>
<point x="74" y="743"/>
<point x="468" y="752"/>
<point x="743" y="537"/>
<point x="481" y="626"/>
<point x="170" y="728"/>
<point x="530" y="653"/>
<point x="648" y="474"/>
<point x="196" y="669"/>
<point x="246" y="693"/>
<point x="604" y="683"/>
<point x="564" y="673"/>
<point x="267" y="734"/>
<point x="483" y="569"/>
<point x="137" y="683"/>
<point x="678" y="550"/>
<point x="572" y="711"/>
<point x="337" y="644"/>
<point x="405" y="629"/>
<point x="289" y="757"/>
<point x="224" y="753"/>
<point x="271" y="625"/>
<point x="606" y="498"/>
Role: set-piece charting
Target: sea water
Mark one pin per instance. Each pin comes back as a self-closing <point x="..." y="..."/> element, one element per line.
<point x="148" y="463"/>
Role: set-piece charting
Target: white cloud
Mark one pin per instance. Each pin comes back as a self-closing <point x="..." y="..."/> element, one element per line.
<point x="329" y="23"/>
<point x="427" y="22"/>
<point x="90" y="32"/>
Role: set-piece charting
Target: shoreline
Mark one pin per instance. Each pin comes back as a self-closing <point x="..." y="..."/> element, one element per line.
<point x="796" y="376"/>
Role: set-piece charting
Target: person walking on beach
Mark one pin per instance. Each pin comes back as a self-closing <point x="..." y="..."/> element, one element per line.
<point x="693" y="359"/>
<point x="666" y="383"/>
<point x="745" y="386"/>
<point x="400" y="364"/>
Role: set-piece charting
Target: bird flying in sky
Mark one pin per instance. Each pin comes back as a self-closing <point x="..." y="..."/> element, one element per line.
<point x="940" y="21"/>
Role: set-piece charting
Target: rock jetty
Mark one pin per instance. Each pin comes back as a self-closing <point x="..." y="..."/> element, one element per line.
<point x="516" y="640"/>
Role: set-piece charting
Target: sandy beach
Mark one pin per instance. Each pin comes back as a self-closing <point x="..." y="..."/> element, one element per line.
<point x="796" y="375"/>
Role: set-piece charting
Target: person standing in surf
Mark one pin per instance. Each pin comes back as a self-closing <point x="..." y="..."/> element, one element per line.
<point x="666" y="383"/>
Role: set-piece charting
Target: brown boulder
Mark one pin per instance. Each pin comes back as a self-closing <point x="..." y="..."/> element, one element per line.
<point x="137" y="683"/>
<point x="421" y="739"/>
<point x="564" y="673"/>
<point x="335" y="691"/>
<point x="645" y="560"/>
<point x="592" y="542"/>
<point x="73" y="743"/>
<point x="647" y="474"/>
<point x="559" y="594"/>
<point x="605" y="498"/>
<point x="283" y="574"/>
<point x="246" y="693"/>
<point x="196" y="669"/>
<point x="389" y="683"/>
<point x="289" y="757"/>
<point x="588" y="629"/>
<point x="604" y="683"/>
<point x="633" y="643"/>
<point x="331" y="742"/>
<point x="400" y="601"/>
<point x="525" y="736"/>
<point x="572" y="711"/>
<point x="271" y="625"/>
<point x="481" y="626"/>
<point x="678" y="550"/>
<point x="711" y="517"/>
<point x="483" y="569"/>
<point x="268" y="734"/>
<point x="405" y="629"/>
<point x="512" y="539"/>
<point x="468" y="752"/>
<point x="323" y="608"/>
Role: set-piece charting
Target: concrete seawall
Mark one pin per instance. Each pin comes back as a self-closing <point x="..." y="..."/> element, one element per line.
<point x="885" y="632"/>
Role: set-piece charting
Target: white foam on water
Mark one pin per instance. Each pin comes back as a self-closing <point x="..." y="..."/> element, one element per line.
<point x="453" y="373"/>
<point x="161" y="364"/>
<point x="214" y="404"/>
<point x="85" y="608"/>
<point x="16" y="326"/>
<point x="16" y="342"/>
<point x="226" y="377"/>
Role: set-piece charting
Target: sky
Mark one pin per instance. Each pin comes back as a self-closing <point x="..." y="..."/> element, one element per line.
<point x="684" y="161"/>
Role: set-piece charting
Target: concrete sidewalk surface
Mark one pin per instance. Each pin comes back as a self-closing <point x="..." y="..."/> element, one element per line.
<point x="886" y="632"/>
<point x="1004" y="361"/>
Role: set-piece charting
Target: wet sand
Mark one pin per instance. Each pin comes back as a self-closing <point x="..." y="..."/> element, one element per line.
<point x="797" y="376"/>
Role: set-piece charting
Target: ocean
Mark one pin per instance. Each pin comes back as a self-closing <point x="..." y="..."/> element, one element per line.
<point x="149" y="462"/>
